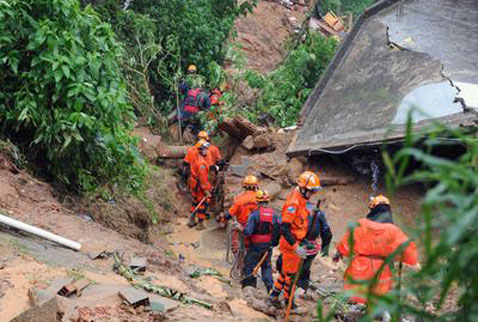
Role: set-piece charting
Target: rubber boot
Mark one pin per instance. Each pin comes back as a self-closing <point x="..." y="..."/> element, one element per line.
<point x="192" y="222"/>
<point x="201" y="225"/>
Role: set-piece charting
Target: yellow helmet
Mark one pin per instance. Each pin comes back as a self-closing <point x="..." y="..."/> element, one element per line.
<point x="378" y="200"/>
<point x="310" y="181"/>
<point x="202" y="144"/>
<point x="202" y="135"/>
<point x="192" y="68"/>
<point x="250" y="181"/>
<point x="262" y="195"/>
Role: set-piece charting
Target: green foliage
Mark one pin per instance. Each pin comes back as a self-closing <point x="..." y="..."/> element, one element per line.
<point x="62" y="98"/>
<point x="446" y="286"/>
<point x="286" y="89"/>
<point x="179" y="33"/>
<point x="356" y="7"/>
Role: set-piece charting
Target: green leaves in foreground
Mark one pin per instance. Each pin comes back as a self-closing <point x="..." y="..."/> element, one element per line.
<point x="62" y="97"/>
<point x="446" y="286"/>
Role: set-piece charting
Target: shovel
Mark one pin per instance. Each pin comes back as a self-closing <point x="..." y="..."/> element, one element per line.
<point x="256" y="268"/>
<point x="291" y="295"/>
<point x="191" y="217"/>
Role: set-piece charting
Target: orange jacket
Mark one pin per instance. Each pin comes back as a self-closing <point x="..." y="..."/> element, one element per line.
<point x="199" y="179"/>
<point x="295" y="212"/>
<point x="373" y="242"/>
<point x="213" y="155"/>
<point x="191" y="154"/>
<point x="243" y="205"/>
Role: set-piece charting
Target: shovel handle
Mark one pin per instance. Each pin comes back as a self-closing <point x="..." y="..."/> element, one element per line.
<point x="291" y="295"/>
<point x="197" y="207"/>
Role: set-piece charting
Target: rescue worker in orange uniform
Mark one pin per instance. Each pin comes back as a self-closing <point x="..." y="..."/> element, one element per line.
<point x="262" y="230"/>
<point x="214" y="156"/>
<point x="293" y="232"/>
<point x="374" y="239"/>
<point x="199" y="185"/>
<point x="243" y="205"/>
<point x="216" y="164"/>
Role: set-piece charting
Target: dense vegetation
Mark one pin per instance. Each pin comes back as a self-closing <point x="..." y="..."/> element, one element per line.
<point x="62" y="98"/>
<point x="355" y="7"/>
<point x="162" y="37"/>
<point x="286" y="89"/>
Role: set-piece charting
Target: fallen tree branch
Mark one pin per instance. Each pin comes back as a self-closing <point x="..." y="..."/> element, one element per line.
<point x="156" y="289"/>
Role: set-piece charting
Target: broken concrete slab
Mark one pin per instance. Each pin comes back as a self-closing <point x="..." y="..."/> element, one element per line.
<point x="134" y="298"/>
<point x="47" y="311"/>
<point x="73" y="288"/>
<point x="138" y="264"/>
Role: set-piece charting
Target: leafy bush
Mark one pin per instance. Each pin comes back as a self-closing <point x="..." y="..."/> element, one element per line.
<point x="178" y="32"/>
<point x="286" y="89"/>
<point x="62" y="98"/>
<point x="356" y="7"/>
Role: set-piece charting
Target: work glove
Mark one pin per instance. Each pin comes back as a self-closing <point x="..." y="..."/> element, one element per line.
<point x="237" y="226"/>
<point x="308" y="245"/>
<point x="301" y="251"/>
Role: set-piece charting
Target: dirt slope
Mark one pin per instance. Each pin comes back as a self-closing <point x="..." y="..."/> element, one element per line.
<point x="263" y="33"/>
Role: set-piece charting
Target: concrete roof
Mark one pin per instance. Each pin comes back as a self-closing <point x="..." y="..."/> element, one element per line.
<point x="400" y="56"/>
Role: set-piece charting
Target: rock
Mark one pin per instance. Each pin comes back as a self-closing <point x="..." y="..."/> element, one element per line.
<point x="167" y="229"/>
<point x="272" y="165"/>
<point x="272" y="187"/>
<point x="295" y="168"/>
<point x="248" y="143"/>
<point x="47" y="310"/>
<point x="263" y="140"/>
<point x="302" y="159"/>
<point x="282" y="195"/>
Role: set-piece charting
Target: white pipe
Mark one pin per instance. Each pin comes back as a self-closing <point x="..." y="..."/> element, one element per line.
<point x="40" y="232"/>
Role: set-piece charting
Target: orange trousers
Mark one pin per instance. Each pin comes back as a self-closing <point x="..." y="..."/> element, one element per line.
<point x="290" y="267"/>
<point x="197" y="196"/>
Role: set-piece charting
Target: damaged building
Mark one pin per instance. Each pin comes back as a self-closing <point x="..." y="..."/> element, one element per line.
<point x="401" y="58"/>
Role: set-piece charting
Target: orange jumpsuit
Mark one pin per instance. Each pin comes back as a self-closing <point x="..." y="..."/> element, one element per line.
<point x="199" y="184"/>
<point x="213" y="155"/>
<point x="243" y="205"/>
<point x="190" y="155"/>
<point x="373" y="242"/>
<point x="295" y="213"/>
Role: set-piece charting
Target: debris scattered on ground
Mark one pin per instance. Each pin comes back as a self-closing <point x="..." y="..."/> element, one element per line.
<point x="134" y="298"/>
<point x="73" y="288"/>
<point x="138" y="264"/>
<point x="209" y="272"/>
<point x="156" y="289"/>
<point x="100" y="255"/>
<point x="46" y="311"/>
<point x="240" y="128"/>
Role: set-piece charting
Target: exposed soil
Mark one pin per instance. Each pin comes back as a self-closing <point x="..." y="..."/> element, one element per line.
<point x="262" y="34"/>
